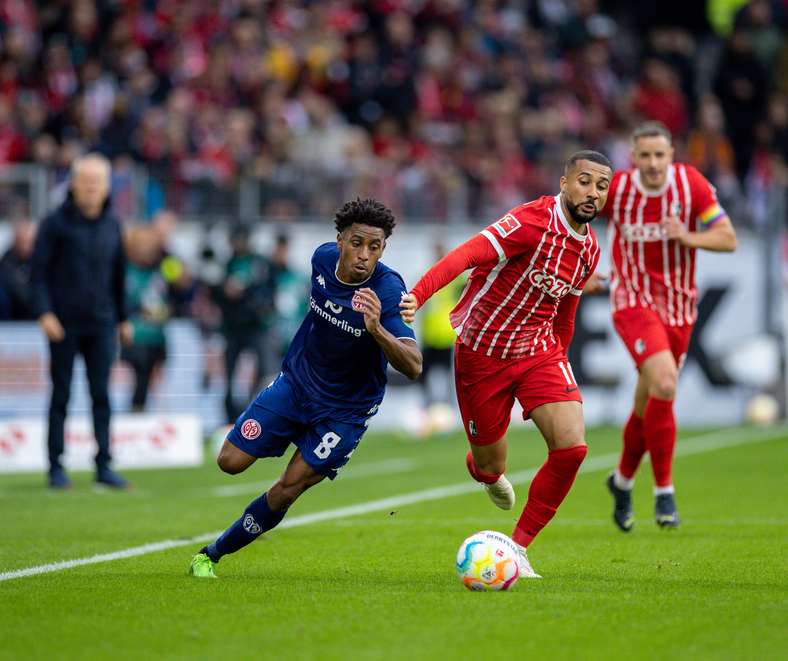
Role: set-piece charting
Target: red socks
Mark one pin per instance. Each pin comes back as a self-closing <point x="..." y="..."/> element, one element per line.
<point x="548" y="490"/>
<point x="634" y="447"/>
<point x="659" y="426"/>
<point x="478" y="475"/>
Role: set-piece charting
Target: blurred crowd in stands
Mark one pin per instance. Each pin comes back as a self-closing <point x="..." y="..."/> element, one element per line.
<point x="444" y="109"/>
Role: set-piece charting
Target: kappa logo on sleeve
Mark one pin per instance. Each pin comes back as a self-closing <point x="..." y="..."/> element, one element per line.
<point x="506" y="225"/>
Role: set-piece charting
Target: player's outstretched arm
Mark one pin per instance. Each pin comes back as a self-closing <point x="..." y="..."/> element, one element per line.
<point x="403" y="354"/>
<point x="475" y="251"/>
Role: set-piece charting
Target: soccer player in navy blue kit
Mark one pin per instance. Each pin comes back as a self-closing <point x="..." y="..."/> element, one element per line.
<point x="333" y="377"/>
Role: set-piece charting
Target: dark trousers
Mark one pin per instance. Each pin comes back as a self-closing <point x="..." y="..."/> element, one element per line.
<point x="433" y="357"/>
<point x="143" y="359"/>
<point x="255" y="342"/>
<point x="98" y="350"/>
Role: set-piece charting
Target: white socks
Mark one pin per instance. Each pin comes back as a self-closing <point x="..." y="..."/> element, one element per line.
<point x="622" y="482"/>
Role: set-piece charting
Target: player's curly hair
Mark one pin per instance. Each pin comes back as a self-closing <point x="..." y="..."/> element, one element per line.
<point x="365" y="212"/>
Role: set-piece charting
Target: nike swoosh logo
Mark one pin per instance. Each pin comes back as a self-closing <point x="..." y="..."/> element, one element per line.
<point x="571" y="389"/>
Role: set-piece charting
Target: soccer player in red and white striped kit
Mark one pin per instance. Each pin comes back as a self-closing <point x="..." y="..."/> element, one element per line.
<point x="660" y="214"/>
<point x="514" y="322"/>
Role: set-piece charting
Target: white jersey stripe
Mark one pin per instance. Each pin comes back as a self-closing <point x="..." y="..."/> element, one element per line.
<point x="666" y="261"/>
<point x="646" y="298"/>
<point x="525" y="298"/>
<point x="545" y="325"/>
<point x="618" y="276"/>
<point x="491" y="276"/>
<point x="511" y="293"/>
<point x="687" y="217"/>
<point x="491" y="238"/>
<point x="555" y="310"/>
<point x="629" y="260"/>
<point x="674" y="190"/>
<point x="541" y="298"/>
<point x="615" y="282"/>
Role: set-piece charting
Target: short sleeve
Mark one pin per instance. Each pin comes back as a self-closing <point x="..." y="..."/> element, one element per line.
<point x="706" y="208"/>
<point x="510" y="235"/>
<point x="611" y="193"/>
<point x="390" y="318"/>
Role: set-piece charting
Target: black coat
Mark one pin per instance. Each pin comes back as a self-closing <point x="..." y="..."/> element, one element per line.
<point x="79" y="269"/>
<point x="15" y="275"/>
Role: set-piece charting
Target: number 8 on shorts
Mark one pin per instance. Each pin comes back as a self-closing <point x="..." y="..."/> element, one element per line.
<point x="329" y="441"/>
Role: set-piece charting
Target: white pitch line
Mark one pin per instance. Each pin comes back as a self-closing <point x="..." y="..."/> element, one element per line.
<point x="373" y="468"/>
<point x="693" y="445"/>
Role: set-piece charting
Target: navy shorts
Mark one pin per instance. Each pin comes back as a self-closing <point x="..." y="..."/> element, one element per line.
<point x="279" y="416"/>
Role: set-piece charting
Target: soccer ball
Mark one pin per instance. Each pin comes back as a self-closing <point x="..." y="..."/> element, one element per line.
<point x="762" y="410"/>
<point x="488" y="560"/>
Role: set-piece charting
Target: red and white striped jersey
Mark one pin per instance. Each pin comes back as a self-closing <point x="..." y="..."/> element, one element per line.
<point x="507" y="308"/>
<point x="647" y="269"/>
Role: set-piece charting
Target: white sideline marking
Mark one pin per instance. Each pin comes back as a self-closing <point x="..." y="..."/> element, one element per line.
<point x="690" y="446"/>
<point x="373" y="468"/>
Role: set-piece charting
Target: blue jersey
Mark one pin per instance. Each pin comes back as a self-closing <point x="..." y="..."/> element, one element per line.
<point x="332" y="359"/>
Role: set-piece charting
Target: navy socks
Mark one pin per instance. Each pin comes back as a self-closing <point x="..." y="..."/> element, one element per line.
<point x="256" y="519"/>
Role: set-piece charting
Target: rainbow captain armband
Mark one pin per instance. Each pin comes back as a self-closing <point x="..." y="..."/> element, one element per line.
<point x="712" y="214"/>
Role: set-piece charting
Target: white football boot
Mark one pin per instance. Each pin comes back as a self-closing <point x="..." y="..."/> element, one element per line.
<point x="501" y="493"/>
<point x="526" y="571"/>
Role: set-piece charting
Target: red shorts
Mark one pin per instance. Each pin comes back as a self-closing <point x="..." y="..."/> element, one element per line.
<point x="487" y="388"/>
<point x="644" y="334"/>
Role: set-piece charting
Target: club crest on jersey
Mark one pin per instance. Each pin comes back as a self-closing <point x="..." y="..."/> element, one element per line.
<point x="321" y="280"/>
<point x="506" y="225"/>
<point x="549" y="284"/>
<point x="250" y="429"/>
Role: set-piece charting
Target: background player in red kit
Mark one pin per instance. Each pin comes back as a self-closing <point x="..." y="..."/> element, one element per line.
<point x="661" y="213"/>
<point x="514" y="323"/>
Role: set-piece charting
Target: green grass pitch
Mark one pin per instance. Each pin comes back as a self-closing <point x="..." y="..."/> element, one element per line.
<point x="381" y="584"/>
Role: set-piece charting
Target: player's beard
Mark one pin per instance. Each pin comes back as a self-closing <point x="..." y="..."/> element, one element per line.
<point x="580" y="216"/>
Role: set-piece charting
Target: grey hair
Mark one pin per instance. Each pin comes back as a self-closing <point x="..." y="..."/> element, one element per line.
<point x="651" y="130"/>
<point x="92" y="157"/>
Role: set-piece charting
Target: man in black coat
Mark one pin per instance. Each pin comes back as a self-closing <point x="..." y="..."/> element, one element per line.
<point x="15" y="271"/>
<point x="78" y="291"/>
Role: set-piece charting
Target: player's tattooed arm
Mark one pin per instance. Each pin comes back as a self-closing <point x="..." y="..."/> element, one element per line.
<point x="403" y="354"/>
